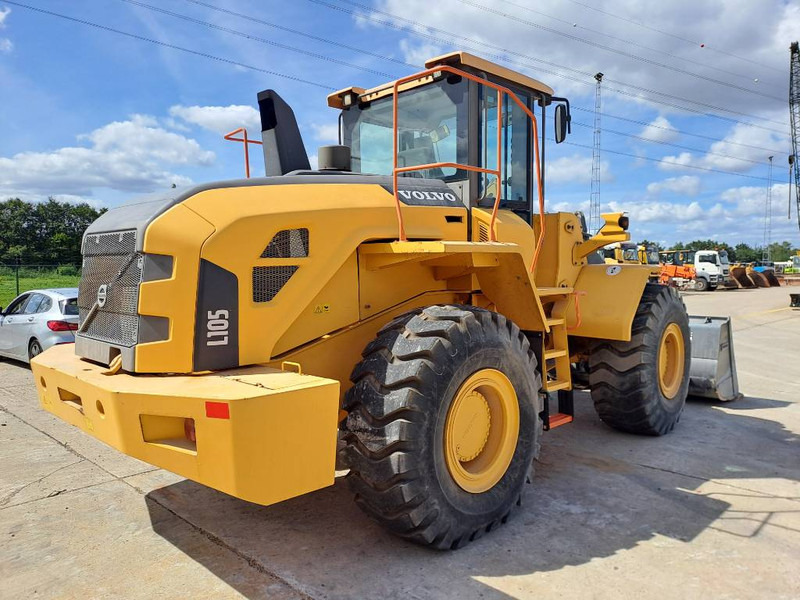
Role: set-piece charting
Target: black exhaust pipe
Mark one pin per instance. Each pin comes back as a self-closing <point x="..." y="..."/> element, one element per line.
<point x="284" y="151"/>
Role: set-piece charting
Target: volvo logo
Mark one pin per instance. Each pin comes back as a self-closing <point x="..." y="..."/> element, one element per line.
<point x="102" y="293"/>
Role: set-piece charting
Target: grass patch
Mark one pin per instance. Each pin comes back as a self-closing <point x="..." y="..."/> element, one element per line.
<point x="31" y="279"/>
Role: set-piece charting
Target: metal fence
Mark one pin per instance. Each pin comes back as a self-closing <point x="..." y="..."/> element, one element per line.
<point x="17" y="271"/>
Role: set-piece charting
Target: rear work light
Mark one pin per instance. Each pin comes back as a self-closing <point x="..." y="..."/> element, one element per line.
<point x="61" y="326"/>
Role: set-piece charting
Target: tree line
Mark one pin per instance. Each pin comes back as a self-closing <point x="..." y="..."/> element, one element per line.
<point x="779" y="251"/>
<point x="35" y="233"/>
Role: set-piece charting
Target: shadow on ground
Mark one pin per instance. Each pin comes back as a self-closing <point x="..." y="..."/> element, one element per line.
<point x="596" y="492"/>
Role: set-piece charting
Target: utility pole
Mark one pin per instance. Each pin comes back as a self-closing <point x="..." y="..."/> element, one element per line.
<point x="594" y="196"/>
<point x="765" y="252"/>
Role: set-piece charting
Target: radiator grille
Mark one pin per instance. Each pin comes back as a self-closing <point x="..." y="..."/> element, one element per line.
<point x="268" y="281"/>
<point x="289" y="243"/>
<point x="483" y="233"/>
<point x="110" y="259"/>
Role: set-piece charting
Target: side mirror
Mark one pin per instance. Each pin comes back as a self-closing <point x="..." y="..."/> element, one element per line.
<point x="561" y="121"/>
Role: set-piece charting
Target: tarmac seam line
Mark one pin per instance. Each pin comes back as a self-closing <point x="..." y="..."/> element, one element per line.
<point x="252" y="562"/>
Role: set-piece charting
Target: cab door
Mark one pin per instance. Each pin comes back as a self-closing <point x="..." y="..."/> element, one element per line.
<point x="13" y="324"/>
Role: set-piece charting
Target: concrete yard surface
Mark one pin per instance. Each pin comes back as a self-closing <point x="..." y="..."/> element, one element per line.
<point x="711" y="510"/>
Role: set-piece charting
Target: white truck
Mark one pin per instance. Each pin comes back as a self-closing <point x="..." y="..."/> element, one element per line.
<point x="712" y="267"/>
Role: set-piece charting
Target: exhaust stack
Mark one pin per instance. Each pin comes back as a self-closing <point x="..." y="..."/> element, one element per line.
<point x="284" y="151"/>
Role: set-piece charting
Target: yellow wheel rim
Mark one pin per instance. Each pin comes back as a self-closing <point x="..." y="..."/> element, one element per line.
<point x="671" y="355"/>
<point x="481" y="431"/>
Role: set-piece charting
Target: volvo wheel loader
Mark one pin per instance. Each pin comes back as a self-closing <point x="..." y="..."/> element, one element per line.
<point x="410" y="300"/>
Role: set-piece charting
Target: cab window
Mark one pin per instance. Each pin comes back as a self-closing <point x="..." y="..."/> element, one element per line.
<point x="514" y="187"/>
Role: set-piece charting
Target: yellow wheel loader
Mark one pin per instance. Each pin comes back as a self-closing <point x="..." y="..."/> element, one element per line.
<point x="409" y="299"/>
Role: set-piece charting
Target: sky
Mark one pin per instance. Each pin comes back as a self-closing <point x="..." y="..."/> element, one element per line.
<point x="109" y="99"/>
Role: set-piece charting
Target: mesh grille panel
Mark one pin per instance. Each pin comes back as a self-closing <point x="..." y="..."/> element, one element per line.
<point x="268" y="281"/>
<point x="110" y="259"/>
<point x="102" y="244"/>
<point x="289" y="243"/>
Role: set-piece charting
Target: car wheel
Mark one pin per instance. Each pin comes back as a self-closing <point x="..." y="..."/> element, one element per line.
<point x="34" y="349"/>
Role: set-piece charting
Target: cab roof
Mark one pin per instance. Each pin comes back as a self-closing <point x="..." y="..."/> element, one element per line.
<point x="461" y="60"/>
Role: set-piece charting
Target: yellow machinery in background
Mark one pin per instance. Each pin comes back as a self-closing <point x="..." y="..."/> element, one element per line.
<point x="410" y="297"/>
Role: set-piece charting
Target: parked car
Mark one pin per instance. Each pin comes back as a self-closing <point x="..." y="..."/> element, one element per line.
<point x="37" y="320"/>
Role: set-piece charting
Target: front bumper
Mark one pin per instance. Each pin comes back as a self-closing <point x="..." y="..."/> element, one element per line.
<point x="261" y="434"/>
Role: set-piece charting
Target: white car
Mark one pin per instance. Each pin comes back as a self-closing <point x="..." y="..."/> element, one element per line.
<point x="37" y="320"/>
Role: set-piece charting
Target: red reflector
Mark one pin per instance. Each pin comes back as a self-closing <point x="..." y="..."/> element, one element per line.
<point x="61" y="326"/>
<point x="218" y="410"/>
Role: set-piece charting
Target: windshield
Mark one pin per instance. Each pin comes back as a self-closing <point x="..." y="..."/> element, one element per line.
<point x="432" y="127"/>
<point x="723" y="257"/>
<point x="652" y="257"/>
<point x="630" y="255"/>
<point x="708" y="258"/>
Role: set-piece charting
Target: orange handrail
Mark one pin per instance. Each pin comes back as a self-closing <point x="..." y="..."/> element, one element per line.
<point x="496" y="172"/>
<point x="243" y="131"/>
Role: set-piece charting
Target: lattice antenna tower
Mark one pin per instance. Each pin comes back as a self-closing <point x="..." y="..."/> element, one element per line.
<point x="594" y="196"/>
<point x="794" y="116"/>
<point x="765" y="252"/>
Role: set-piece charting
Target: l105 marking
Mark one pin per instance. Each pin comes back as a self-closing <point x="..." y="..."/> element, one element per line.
<point x="217" y="328"/>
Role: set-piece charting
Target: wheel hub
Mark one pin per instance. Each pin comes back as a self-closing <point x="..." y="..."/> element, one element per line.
<point x="481" y="431"/>
<point x="671" y="355"/>
<point x="471" y="423"/>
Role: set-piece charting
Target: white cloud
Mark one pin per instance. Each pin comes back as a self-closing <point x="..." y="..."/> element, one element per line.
<point x="673" y="212"/>
<point x="660" y="130"/>
<point x="739" y="151"/>
<point x="416" y="53"/>
<point x="686" y="185"/>
<point x="328" y="133"/>
<point x="220" y="119"/>
<point x="755" y="30"/>
<point x="575" y="169"/>
<point x="6" y="45"/>
<point x="129" y="156"/>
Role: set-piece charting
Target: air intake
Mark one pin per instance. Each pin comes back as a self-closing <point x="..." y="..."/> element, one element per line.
<point x="289" y="243"/>
<point x="268" y="281"/>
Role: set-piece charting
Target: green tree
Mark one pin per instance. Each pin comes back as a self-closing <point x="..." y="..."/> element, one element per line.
<point x="648" y="244"/>
<point x="44" y="232"/>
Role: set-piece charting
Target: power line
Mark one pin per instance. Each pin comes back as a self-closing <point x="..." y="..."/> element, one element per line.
<point x="664" y="143"/>
<point x="300" y="33"/>
<point x="607" y="48"/>
<point x="689" y="133"/>
<point x="389" y="58"/>
<point x="574" y="24"/>
<point x="167" y="45"/>
<point x="668" y="162"/>
<point x="253" y="38"/>
<point x="417" y="27"/>
<point x="672" y="35"/>
<point x="401" y="62"/>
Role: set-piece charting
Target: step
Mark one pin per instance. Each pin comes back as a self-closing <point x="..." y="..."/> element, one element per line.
<point x="554" y="386"/>
<point x="559" y="419"/>
<point x="550" y="354"/>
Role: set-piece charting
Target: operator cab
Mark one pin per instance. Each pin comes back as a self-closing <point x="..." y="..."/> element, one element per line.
<point x="447" y="118"/>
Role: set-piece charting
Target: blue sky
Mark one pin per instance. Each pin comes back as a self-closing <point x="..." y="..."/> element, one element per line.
<point x="90" y="114"/>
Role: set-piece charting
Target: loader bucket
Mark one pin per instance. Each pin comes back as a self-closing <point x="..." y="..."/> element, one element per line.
<point x="757" y="278"/>
<point x="739" y="275"/>
<point x="771" y="278"/>
<point x="713" y="368"/>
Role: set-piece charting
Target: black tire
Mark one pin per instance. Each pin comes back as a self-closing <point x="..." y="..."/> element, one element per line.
<point x="700" y="284"/>
<point x="34" y="349"/>
<point x="624" y="376"/>
<point x="397" y="408"/>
